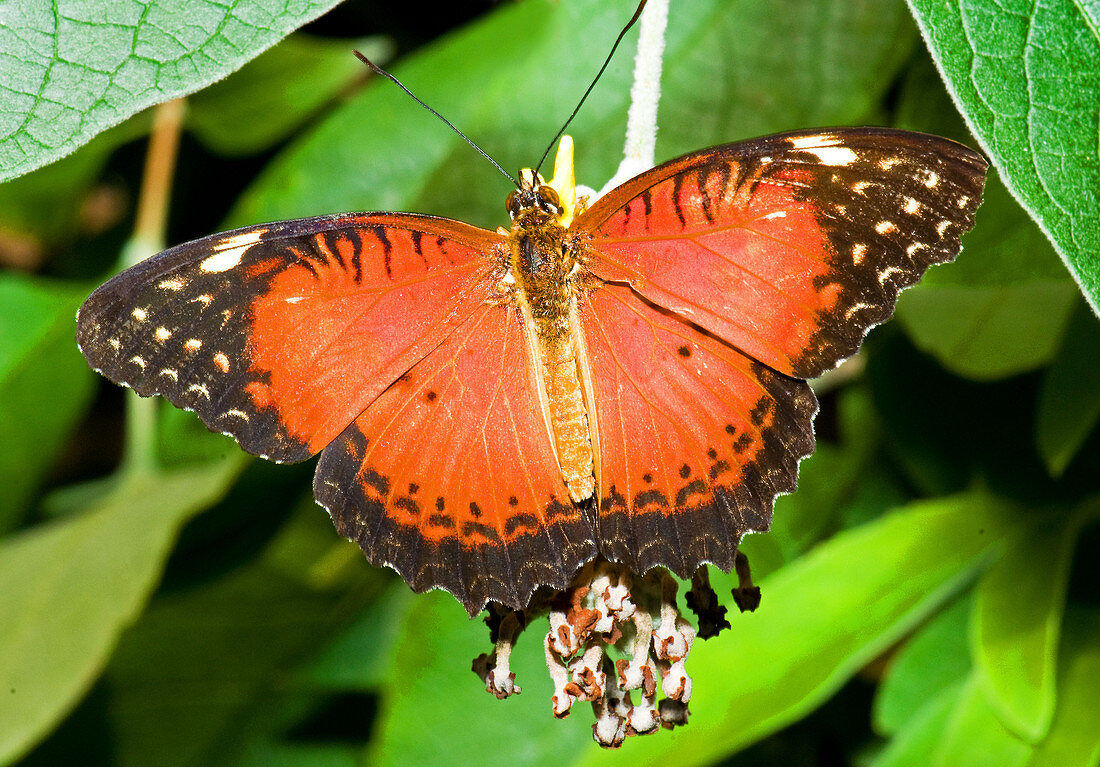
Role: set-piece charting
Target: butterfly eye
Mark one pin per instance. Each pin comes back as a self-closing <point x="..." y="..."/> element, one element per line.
<point x="511" y="204"/>
<point x="549" y="201"/>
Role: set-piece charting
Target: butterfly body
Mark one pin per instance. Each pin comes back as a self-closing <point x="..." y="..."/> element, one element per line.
<point x="494" y="409"/>
<point x="547" y="274"/>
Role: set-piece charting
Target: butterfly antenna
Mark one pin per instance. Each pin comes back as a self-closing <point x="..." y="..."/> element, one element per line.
<point x="619" y="39"/>
<point x="377" y="69"/>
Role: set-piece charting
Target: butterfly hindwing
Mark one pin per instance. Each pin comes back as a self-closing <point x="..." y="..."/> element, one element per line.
<point x="790" y="246"/>
<point x="281" y="334"/>
<point x="450" y="477"/>
<point x="696" y="439"/>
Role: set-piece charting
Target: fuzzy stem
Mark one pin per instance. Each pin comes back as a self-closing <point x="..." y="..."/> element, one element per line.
<point x="645" y="94"/>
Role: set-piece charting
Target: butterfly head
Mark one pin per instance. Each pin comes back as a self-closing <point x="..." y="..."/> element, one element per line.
<point x="534" y="201"/>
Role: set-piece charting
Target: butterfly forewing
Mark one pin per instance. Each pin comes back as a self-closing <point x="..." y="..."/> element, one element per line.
<point x="791" y="246"/>
<point x="281" y="334"/>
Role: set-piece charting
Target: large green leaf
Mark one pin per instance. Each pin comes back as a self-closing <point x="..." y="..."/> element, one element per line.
<point x="1017" y="618"/>
<point x="1069" y="398"/>
<point x="922" y="732"/>
<point x="824" y="617"/>
<point x="207" y="675"/>
<point x="68" y="588"/>
<point x="931" y="662"/>
<point x="1025" y="77"/>
<point x="975" y="736"/>
<point x="430" y="686"/>
<point x="1073" y="740"/>
<point x="37" y="358"/>
<point x="72" y="70"/>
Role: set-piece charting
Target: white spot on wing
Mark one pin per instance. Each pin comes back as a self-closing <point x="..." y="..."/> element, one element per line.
<point x="222" y="362"/>
<point x="114" y="343"/>
<point x="237" y="414"/>
<point x="192" y="345"/>
<point x="912" y="207"/>
<point x="912" y="249"/>
<point x="228" y="252"/>
<point x="941" y="227"/>
<point x="884" y="275"/>
<point x="199" y="389"/>
<point x="833" y="155"/>
<point x="860" y="186"/>
<point x="777" y="214"/>
<point x="139" y="314"/>
<point x="816" y="140"/>
<point x="856" y="308"/>
<point x="170" y="373"/>
<point x="204" y="299"/>
<point x="138" y="361"/>
<point x="888" y="163"/>
<point x="885" y="227"/>
<point x="172" y="283"/>
<point x="162" y="334"/>
<point x="859" y="250"/>
<point x="931" y="179"/>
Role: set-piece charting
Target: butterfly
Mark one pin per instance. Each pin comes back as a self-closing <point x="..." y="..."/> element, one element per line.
<point x="495" y="409"/>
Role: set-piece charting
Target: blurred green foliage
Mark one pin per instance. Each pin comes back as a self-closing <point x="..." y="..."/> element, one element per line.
<point x="930" y="592"/>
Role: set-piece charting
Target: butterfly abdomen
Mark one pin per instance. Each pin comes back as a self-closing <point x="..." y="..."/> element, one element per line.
<point x="543" y="265"/>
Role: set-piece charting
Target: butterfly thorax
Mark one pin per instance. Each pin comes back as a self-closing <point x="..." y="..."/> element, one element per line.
<point x="544" y="266"/>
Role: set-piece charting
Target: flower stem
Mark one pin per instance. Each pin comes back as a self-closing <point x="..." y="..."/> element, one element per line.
<point x="147" y="239"/>
<point x="645" y="94"/>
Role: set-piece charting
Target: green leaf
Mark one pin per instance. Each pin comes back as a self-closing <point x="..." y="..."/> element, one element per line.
<point x="231" y="652"/>
<point x="989" y="333"/>
<point x="1072" y="741"/>
<point x="271" y="96"/>
<point x="45" y="385"/>
<point x="836" y="63"/>
<point x="1069" y="397"/>
<point x="917" y="740"/>
<point x="68" y="589"/>
<point x="1016" y="622"/>
<point x="929" y="663"/>
<point x="976" y="737"/>
<point x="45" y="207"/>
<point x="73" y="71"/>
<point x="1024" y="76"/>
<point x="372" y="640"/>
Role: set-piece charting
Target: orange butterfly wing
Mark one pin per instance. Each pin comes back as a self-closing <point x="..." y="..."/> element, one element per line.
<point x="281" y="334"/>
